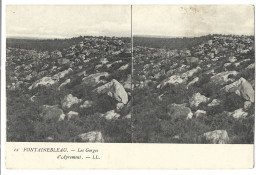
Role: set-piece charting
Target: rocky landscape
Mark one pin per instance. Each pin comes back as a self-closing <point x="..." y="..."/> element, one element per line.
<point x="202" y="93"/>
<point x="184" y="90"/>
<point x="80" y="93"/>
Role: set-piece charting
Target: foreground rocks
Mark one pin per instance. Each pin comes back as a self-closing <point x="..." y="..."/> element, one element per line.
<point x="93" y="136"/>
<point x="179" y="111"/>
<point x="52" y="112"/>
<point x="214" y="137"/>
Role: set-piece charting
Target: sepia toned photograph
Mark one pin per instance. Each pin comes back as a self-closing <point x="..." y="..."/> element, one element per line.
<point x="193" y="74"/>
<point x="129" y="86"/>
<point x="68" y="73"/>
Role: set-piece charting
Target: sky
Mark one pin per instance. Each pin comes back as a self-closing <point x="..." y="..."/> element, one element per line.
<point x="61" y="21"/>
<point x="189" y="21"/>
<point x="57" y="21"/>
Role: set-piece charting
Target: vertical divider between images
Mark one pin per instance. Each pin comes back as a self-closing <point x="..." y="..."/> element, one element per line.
<point x="132" y="69"/>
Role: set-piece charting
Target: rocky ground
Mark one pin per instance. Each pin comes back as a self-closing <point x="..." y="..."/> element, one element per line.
<point x="200" y="94"/>
<point x="80" y="93"/>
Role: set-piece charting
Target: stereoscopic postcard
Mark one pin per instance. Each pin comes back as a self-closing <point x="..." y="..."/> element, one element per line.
<point x="129" y="86"/>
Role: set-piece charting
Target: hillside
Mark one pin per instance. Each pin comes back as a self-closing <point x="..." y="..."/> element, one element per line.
<point x="200" y="90"/>
<point x="180" y="90"/>
<point x="79" y="93"/>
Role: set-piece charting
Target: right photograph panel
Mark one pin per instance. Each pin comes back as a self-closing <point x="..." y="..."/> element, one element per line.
<point x="193" y="74"/>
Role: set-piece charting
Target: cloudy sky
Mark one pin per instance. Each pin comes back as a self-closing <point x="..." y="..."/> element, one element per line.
<point x="71" y="21"/>
<point x="67" y="21"/>
<point x="193" y="20"/>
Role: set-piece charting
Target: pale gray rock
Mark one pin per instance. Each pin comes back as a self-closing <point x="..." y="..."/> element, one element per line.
<point x="95" y="79"/>
<point x="87" y="104"/>
<point x="52" y="112"/>
<point x="200" y="113"/>
<point x="223" y="78"/>
<point x="242" y="88"/>
<point x="115" y="90"/>
<point x="93" y="136"/>
<point x="72" y="114"/>
<point x="215" y="137"/>
<point x="110" y="115"/>
<point x="179" y="111"/>
<point x="62" y="85"/>
<point x="214" y="102"/>
<point x="197" y="99"/>
<point x="69" y="101"/>
<point x="239" y="113"/>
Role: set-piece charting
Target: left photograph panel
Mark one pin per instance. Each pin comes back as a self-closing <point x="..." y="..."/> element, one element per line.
<point x="68" y="73"/>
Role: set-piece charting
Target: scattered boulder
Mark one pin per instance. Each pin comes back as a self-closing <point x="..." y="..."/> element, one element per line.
<point x="179" y="111"/>
<point x="195" y="80"/>
<point x="72" y="114"/>
<point x="197" y="99"/>
<point x="223" y="78"/>
<point x="93" y="136"/>
<point x="239" y="113"/>
<point x="95" y="79"/>
<point x="62" y="74"/>
<point x="110" y="115"/>
<point x="191" y="60"/>
<point x="87" y="104"/>
<point x="62" y="61"/>
<point x="214" y="137"/>
<point x="174" y="80"/>
<point x="52" y="112"/>
<point x="115" y="90"/>
<point x="242" y="88"/>
<point x="69" y="101"/>
<point x="124" y="67"/>
<point x="200" y="113"/>
<point x="45" y="81"/>
<point x="62" y="85"/>
<point x="214" y="102"/>
<point x="247" y="105"/>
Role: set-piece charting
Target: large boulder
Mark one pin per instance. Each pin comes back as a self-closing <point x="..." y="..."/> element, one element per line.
<point x="93" y="136"/>
<point x="69" y="100"/>
<point x="214" y="137"/>
<point x="223" y="78"/>
<point x="95" y="79"/>
<point x="242" y="88"/>
<point x="115" y="90"/>
<point x="179" y="111"/>
<point x="52" y="112"/>
<point x="197" y="99"/>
